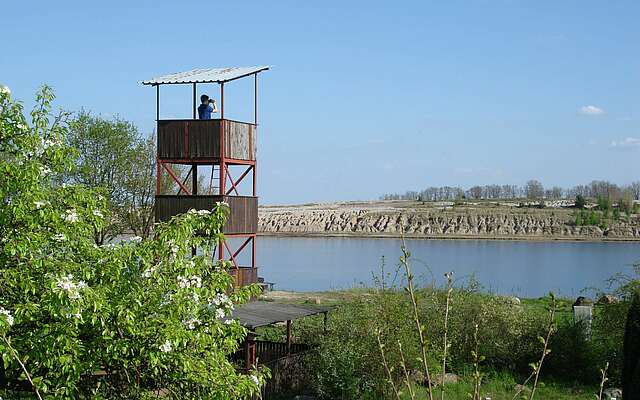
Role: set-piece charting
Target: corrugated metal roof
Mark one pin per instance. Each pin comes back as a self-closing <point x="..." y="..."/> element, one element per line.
<point x="206" y="75"/>
<point x="262" y="313"/>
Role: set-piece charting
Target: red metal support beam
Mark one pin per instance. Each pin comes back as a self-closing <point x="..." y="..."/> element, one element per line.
<point x="236" y="183"/>
<point x="242" y="247"/>
<point x="233" y="259"/>
<point x="253" y="252"/>
<point x="184" y="181"/>
<point x="213" y="170"/>
<point x="233" y="184"/>
<point x="255" y="173"/>
<point x="175" y="178"/>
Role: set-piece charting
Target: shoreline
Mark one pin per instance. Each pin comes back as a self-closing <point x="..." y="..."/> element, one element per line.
<point x="379" y="235"/>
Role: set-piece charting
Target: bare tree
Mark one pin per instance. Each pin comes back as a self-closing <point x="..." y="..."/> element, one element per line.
<point x="634" y="187"/>
<point x="534" y="190"/>
<point x="475" y="192"/>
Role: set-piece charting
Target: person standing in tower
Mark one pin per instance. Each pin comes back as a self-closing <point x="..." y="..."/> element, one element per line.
<point x="207" y="107"/>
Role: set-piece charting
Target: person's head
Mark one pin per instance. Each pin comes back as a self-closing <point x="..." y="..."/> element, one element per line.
<point x="204" y="99"/>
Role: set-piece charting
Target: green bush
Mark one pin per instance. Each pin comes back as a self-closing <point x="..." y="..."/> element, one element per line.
<point x="631" y="368"/>
<point x="604" y="203"/>
<point x="347" y="363"/>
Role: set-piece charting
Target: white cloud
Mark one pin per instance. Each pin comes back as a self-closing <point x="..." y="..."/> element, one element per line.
<point x="591" y="110"/>
<point x="626" y="143"/>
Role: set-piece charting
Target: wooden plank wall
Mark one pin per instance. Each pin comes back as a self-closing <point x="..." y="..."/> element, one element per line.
<point x="171" y="137"/>
<point x="200" y="139"/>
<point x="240" y="140"/>
<point x="204" y="139"/>
<point x="243" y="217"/>
<point x="244" y="214"/>
<point x="244" y="275"/>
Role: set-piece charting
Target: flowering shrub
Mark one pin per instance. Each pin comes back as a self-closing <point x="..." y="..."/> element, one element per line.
<point x="135" y="319"/>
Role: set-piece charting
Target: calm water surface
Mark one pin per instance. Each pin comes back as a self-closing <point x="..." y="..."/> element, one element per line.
<point x="528" y="269"/>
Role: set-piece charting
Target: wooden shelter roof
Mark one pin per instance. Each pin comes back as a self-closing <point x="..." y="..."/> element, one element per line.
<point x="262" y="313"/>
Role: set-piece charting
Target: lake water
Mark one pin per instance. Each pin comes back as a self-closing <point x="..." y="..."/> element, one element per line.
<point x="527" y="269"/>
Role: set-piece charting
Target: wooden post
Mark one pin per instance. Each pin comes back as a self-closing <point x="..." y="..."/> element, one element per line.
<point x="194" y="101"/>
<point x="255" y="99"/>
<point x="250" y="350"/>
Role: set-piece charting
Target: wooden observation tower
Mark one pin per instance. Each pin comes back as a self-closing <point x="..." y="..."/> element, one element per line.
<point x="221" y="148"/>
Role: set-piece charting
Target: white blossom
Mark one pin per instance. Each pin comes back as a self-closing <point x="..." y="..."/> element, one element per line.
<point x="148" y="272"/>
<point x="40" y="204"/>
<point x="195" y="297"/>
<point x="166" y="347"/>
<point x="191" y="323"/>
<point x="135" y="239"/>
<point x="222" y="204"/>
<point x="174" y="249"/>
<point x="71" y="216"/>
<point x="59" y="237"/>
<point x="220" y="313"/>
<point x="5" y="90"/>
<point x="45" y="170"/>
<point x="184" y="283"/>
<point x="203" y="212"/>
<point x="7" y="316"/>
<point x="67" y="283"/>
<point x="97" y="213"/>
<point x="228" y="322"/>
<point x="221" y="299"/>
<point x="255" y="379"/>
<point x="46" y="143"/>
<point x="22" y="127"/>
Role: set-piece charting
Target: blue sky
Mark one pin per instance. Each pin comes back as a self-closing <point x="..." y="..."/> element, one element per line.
<point x="365" y="97"/>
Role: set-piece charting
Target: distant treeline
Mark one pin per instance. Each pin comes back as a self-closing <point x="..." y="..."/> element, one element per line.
<point x="533" y="190"/>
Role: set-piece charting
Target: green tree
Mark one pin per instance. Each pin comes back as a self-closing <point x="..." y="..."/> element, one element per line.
<point x="132" y="320"/>
<point x="138" y="209"/>
<point x="604" y="203"/>
<point x="114" y="157"/>
<point x="580" y="202"/>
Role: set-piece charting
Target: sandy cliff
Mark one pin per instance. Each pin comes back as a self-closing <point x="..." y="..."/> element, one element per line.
<point x="437" y="220"/>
